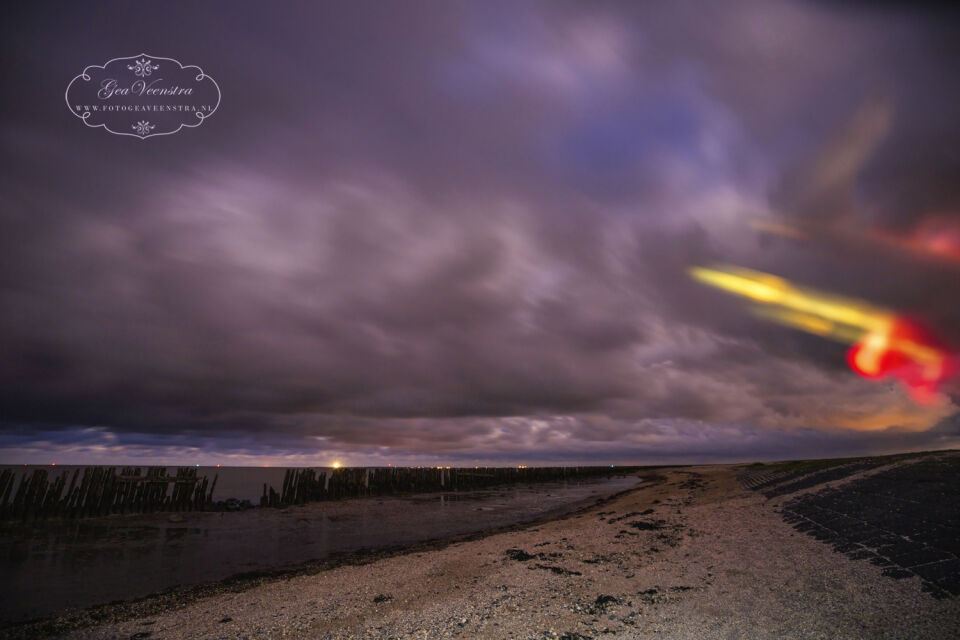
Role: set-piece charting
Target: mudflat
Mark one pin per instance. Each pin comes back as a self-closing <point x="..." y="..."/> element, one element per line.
<point x="861" y="548"/>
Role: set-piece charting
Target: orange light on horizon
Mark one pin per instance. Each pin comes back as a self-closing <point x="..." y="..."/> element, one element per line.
<point x="336" y="464"/>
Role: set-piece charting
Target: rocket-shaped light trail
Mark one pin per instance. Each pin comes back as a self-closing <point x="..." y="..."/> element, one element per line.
<point x="883" y="342"/>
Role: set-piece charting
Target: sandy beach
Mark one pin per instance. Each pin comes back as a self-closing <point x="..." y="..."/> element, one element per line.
<point x="694" y="553"/>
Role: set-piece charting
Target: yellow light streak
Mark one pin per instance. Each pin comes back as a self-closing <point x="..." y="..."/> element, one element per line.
<point x="847" y="320"/>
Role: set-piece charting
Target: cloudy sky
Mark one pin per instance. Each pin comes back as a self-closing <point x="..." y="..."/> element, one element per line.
<point x="459" y="232"/>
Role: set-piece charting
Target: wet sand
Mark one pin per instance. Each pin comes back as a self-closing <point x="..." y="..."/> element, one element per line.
<point x="695" y="554"/>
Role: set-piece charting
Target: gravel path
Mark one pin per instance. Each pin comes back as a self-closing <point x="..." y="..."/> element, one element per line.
<point x="696" y="555"/>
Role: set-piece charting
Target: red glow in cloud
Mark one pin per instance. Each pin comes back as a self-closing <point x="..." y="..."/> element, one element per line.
<point x="936" y="237"/>
<point x="903" y="350"/>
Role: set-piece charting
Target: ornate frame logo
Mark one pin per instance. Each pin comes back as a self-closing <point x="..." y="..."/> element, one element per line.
<point x="143" y="96"/>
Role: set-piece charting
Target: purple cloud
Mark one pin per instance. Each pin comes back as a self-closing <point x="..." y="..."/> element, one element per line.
<point x="463" y="234"/>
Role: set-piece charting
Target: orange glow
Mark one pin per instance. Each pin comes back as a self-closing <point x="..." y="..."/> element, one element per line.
<point x="336" y="465"/>
<point x="885" y="344"/>
<point x="768" y="226"/>
<point x="914" y="417"/>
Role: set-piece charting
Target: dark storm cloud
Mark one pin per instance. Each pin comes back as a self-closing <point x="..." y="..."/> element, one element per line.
<point x="462" y="231"/>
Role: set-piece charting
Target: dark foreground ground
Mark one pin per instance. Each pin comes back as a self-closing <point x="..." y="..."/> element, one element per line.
<point x="861" y="548"/>
<point x="905" y="519"/>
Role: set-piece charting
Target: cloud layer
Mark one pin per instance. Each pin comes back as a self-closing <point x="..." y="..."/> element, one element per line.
<point x="462" y="233"/>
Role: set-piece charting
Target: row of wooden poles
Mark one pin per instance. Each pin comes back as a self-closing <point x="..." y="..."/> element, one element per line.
<point x="101" y="491"/>
<point x="309" y="485"/>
